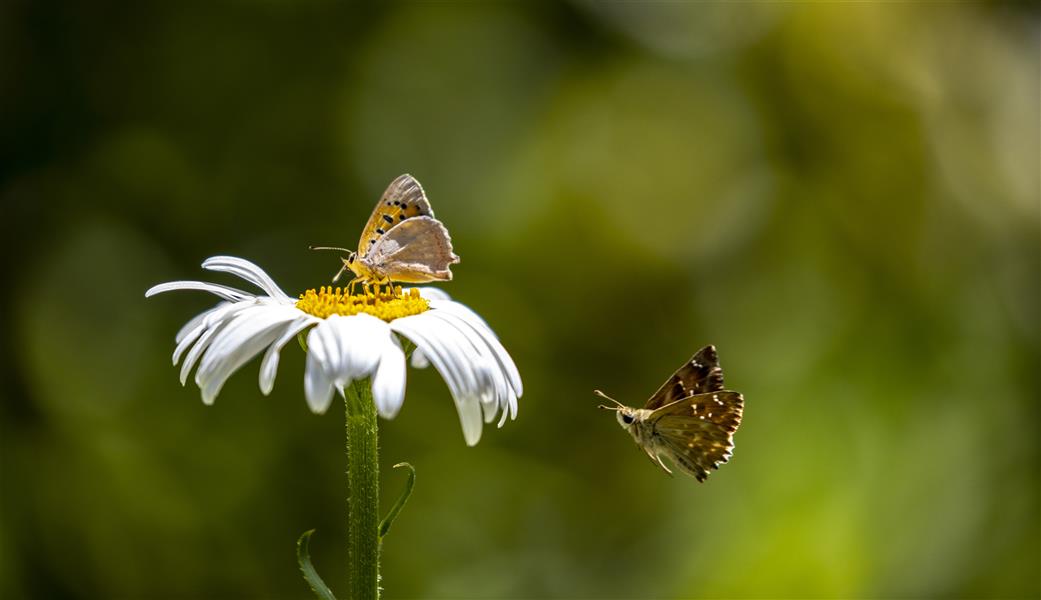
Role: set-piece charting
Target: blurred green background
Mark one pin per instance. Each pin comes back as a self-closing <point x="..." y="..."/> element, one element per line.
<point x="842" y="197"/>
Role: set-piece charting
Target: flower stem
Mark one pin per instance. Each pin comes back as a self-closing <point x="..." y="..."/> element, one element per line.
<point x="363" y="544"/>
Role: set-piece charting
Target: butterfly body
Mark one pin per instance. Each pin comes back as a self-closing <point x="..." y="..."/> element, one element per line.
<point x="402" y="241"/>
<point x="690" y="420"/>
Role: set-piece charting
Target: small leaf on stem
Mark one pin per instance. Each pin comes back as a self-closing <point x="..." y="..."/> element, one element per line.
<point x="394" y="510"/>
<point x="313" y="580"/>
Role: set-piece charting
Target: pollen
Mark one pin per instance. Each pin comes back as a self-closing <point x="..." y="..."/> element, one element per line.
<point x="384" y="303"/>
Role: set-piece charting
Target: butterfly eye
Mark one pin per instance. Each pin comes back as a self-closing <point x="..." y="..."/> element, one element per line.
<point x="628" y="419"/>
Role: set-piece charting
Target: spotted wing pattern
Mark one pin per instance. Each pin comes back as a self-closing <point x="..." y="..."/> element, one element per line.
<point x="697" y="432"/>
<point x="404" y="199"/>
<point x="699" y="375"/>
<point x="417" y="250"/>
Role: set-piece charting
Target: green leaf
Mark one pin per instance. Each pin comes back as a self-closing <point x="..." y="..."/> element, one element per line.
<point x="394" y="510"/>
<point x="304" y="558"/>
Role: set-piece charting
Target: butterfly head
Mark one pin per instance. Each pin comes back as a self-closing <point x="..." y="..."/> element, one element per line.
<point x="626" y="415"/>
<point x="350" y="261"/>
<point x="352" y="264"/>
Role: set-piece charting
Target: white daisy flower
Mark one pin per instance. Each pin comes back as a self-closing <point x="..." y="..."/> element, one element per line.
<point x="351" y="337"/>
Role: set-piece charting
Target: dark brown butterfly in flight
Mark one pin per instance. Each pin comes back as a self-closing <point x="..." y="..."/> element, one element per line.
<point x="690" y="420"/>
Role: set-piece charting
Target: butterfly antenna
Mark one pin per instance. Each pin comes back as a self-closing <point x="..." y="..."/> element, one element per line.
<point x="327" y="248"/>
<point x="606" y="397"/>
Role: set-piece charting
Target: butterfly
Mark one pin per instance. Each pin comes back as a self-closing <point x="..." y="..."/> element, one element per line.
<point x="402" y="241"/>
<point x="690" y="420"/>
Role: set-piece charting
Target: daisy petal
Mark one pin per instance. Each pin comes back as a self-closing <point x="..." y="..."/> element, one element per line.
<point x="197" y="350"/>
<point x="501" y="388"/>
<point x="214" y="322"/>
<point x="510" y="411"/>
<point x="455" y="360"/>
<point x="239" y="356"/>
<point x="251" y="331"/>
<point x="419" y="360"/>
<point x="388" y="385"/>
<point x="269" y="366"/>
<point x="187" y="341"/>
<point x="453" y="365"/>
<point x="241" y="327"/>
<point x="363" y="335"/>
<point x="343" y="349"/>
<point x="318" y="388"/>
<point x="195" y="321"/>
<point x="248" y="271"/>
<point x="204" y="321"/>
<point x="228" y="293"/>
<point x="477" y="323"/>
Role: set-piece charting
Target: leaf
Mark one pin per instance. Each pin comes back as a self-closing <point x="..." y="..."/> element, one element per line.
<point x="310" y="575"/>
<point x="394" y="510"/>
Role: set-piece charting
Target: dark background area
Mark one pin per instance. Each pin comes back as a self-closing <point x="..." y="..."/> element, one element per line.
<point x="842" y="197"/>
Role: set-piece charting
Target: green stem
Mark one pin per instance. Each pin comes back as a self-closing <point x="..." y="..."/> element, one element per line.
<point x="363" y="520"/>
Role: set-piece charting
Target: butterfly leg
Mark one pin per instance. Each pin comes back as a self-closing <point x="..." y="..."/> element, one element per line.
<point x="390" y="286"/>
<point x="656" y="458"/>
<point x="350" y="286"/>
<point x="667" y="470"/>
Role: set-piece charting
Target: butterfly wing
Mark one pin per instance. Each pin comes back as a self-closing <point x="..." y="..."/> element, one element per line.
<point x="697" y="433"/>
<point x="415" y="250"/>
<point x="403" y="200"/>
<point x="699" y="375"/>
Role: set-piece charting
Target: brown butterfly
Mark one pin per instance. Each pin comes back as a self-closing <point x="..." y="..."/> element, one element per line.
<point x="690" y="420"/>
<point x="402" y="240"/>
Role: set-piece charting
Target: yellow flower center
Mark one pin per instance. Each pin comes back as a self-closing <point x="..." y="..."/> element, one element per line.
<point x="386" y="304"/>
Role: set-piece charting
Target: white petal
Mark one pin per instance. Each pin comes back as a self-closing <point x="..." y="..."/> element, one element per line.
<point x="248" y="271"/>
<point x="214" y="322"/>
<point x="419" y="360"/>
<point x="388" y="386"/>
<point x="196" y="321"/>
<point x="269" y="366"/>
<point x="495" y="398"/>
<point x="355" y="344"/>
<point x="342" y="349"/>
<point x="251" y="331"/>
<point x="234" y="360"/>
<point x="197" y="350"/>
<point x="511" y="403"/>
<point x="362" y="338"/>
<point x="456" y="361"/>
<point x="228" y="293"/>
<point x="187" y="341"/>
<point x="439" y="342"/>
<point x="470" y="419"/>
<point x="200" y="323"/>
<point x="244" y="325"/>
<point x="477" y="323"/>
<point x="318" y="388"/>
